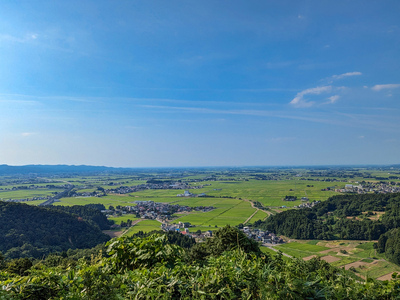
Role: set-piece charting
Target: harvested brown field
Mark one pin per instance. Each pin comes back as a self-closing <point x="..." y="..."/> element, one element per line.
<point x="113" y="233"/>
<point x="348" y="249"/>
<point x="377" y="215"/>
<point x="309" y="257"/>
<point x="386" y="277"/>
<point x="355" y="264"/>
<point x="330" y="258"/>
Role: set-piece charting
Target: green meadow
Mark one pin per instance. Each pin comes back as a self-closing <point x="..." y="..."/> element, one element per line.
<point x="145" y="226"/>
<point x="124" y="218"/>
<point x="228" y="211"/>
<point x="259" y="215"/>
<point x="112" y="200"/>
<point x="22" y="194"/>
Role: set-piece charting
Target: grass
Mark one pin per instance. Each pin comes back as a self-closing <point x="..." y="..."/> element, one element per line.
<point x="304" y="247"/>
<point x="344" y="261"/>
<point x="145" y="226"/>
<point x="260" y="215"/>
<point x="124" y="218"/>
<point x="313" y="242"/>
<point x="22" y="194"/>
<point x="269" y="251"/>
<point x="300" y="250"/>
<point x="379" y="269"/>
<point x="228" y="211"/>
<point x="106" y="201"/>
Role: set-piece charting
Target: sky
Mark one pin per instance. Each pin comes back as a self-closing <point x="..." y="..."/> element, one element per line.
<point x="132" y="83"/>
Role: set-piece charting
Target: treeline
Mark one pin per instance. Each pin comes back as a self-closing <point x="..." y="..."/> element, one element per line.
<point x="342" y="217"/>
<point x="150" y="267"/>
<point x="173" y="237"/>
<point x="30" y="231"/>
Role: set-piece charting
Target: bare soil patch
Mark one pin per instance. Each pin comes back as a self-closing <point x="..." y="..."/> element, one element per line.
<point x="309" y="257"/>
<point x="330" y="258"/>
<point x="385" y="277"/>
<point x="376" y="216"/>
<point x="348" y="249"/>
<point x="351" y="218"/>
<point x="113" y="233"/>
<point x="355" y="264"/>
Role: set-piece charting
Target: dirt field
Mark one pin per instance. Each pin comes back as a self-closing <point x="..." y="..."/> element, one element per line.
<point x="385" y="277"/>
<point x="355" y="264"/>
<point x="348" y="249"/>
<point x="330" y="258"/>
<point x="113" y="233"/>
<point x="377" y="215"/>
<point x="309" y="257"/>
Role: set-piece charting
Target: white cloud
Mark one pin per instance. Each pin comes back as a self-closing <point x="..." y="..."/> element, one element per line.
<point x="380" y="87"/>
<point x="333" y="99"/>
<point x="348" y="74"/>
<point x="299" y="100"/>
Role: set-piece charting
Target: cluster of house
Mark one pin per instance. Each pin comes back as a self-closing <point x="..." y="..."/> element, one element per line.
<point x="160" y="211"/>
<point x="379" y="188"/>
<point x="262" y="236"/>
<point x="255" y="234"/>
<point x="152" y="186"/>
<point x="183" y="227"/>
<point x="294" y="198"/>
<point x="307" y="204"/>
<point x="189" y="194"/>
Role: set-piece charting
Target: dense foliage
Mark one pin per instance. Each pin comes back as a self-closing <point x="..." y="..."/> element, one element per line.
<point x="389" y="243"/>
<point x="173" y="237"/>
<point x="30" y="231"/>
<point x="90" y="213"/>
<point x="225" y="239"/>
<point x="152" y="268"/>
<point x="342" y="217"/>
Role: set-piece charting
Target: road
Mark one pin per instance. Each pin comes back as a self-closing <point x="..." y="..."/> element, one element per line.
<point x="272" y="248"/>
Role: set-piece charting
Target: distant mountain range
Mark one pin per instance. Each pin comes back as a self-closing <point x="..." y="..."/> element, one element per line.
<point x="45" y="169"/>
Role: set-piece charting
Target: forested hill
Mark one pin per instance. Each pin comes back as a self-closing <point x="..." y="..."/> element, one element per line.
<point x="353" y="217"/>
<point x="30" y="231"/>
<point x="88" y="212"/>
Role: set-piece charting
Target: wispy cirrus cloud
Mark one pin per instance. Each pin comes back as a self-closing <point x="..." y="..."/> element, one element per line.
<point x="348" y="74"/>
<point x="299" y="100"/>
<point x="15" y="39"/>
<point x="380" y="87"/>
<point x="333" y="99"/>
<point x="341" y="119"/>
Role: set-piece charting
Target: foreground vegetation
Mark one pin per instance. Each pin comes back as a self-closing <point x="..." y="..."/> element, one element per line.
<point x="150" y="267"/>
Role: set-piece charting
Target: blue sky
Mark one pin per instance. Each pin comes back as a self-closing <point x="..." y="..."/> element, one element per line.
<point x="199" y="83"/>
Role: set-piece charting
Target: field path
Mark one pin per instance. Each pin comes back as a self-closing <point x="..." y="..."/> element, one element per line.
<point x="252" y="205"/>
<point x="272" y="248"/>
<point x="249" y="218"/>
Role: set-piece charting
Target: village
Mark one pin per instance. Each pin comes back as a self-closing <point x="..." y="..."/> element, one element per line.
<point x="264" y="237"/>
<point x="371" y="187"/>
<point x="159" y="185"/>
<point x="155" y="210"/>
